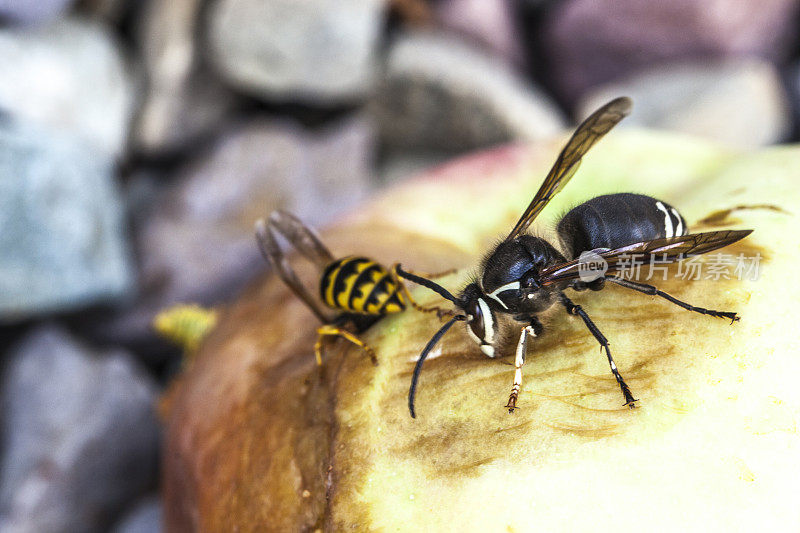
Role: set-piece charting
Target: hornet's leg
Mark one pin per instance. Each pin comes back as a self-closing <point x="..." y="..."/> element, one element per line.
<point x="654" y="291"/>
<point x="329" y="330"/>
<point x="407" y="294"/>
<point x="522" y="346"/>
<point x="578" y="310"/>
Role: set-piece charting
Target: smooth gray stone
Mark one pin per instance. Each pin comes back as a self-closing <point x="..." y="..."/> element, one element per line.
<point x="68" y="76"/>
<point x="61" y="225"/>
<point x="80" y="435"/>
<point x="317" y="52"/>
<point x="439" y="93"/>
<point x="738" y="102"/>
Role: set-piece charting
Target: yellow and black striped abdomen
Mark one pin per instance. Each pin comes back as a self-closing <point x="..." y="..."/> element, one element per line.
<point x="360" y="285"/>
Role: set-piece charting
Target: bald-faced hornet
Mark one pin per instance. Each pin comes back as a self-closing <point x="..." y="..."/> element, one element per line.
<point x="525" y="275"/>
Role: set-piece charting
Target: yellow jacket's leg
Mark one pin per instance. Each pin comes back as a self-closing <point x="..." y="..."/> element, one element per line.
<point x="328" y="330"/>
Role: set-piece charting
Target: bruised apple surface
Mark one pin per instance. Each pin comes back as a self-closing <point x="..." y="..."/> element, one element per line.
<point x="259" y="438"/>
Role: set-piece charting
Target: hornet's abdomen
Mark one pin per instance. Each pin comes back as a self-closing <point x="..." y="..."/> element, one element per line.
<point x="616" y="220"/>
<point x="360" y="285"/>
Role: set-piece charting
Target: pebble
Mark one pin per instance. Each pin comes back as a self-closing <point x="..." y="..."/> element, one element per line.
<point x="590" y="42"/>
<point x="439" y="93"/>
<point x="738" y="102"/>
<point x="492" y="24"/>
<point x="146" y="517"/>
<point x="316" y="52"/>
<point x="32" y="12"/>
<point x="182" y="101"/>
<point x="68" y="76"/>
<point x="80" y="435"/>
<point x="61" y="225"/>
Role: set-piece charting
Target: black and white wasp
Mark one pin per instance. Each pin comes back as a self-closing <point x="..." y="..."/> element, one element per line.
<point x="524" y="275"/>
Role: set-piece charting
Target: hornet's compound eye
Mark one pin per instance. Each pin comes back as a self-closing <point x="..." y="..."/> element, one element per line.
<point x="476" y="326"/>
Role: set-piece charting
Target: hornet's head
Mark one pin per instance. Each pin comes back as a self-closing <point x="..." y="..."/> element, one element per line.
<point x="474" y="310"/>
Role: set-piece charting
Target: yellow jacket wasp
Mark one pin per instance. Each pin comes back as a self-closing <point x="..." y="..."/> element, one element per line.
<point x="362" y="290"/>
<point x="524" y="275"/>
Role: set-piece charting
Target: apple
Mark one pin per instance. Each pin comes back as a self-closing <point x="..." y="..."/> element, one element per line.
<point x="260" y="438"/>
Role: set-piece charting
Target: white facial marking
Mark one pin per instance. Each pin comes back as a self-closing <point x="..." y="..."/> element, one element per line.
<point x="679" y="229"/>
<point x="514" y="285"/>
<point x="488" y="321"/>
<point x="487" y="349"/>
<point x="667" y="220"/>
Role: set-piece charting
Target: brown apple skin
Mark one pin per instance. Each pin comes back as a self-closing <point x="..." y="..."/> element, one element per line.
<point x="260" y="438"/>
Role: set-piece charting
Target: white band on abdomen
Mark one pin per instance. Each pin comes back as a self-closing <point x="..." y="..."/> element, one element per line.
<point x="668" y="230"/>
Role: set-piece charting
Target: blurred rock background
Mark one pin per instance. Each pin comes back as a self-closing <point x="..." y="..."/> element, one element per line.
<point x="139" y="140"/>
